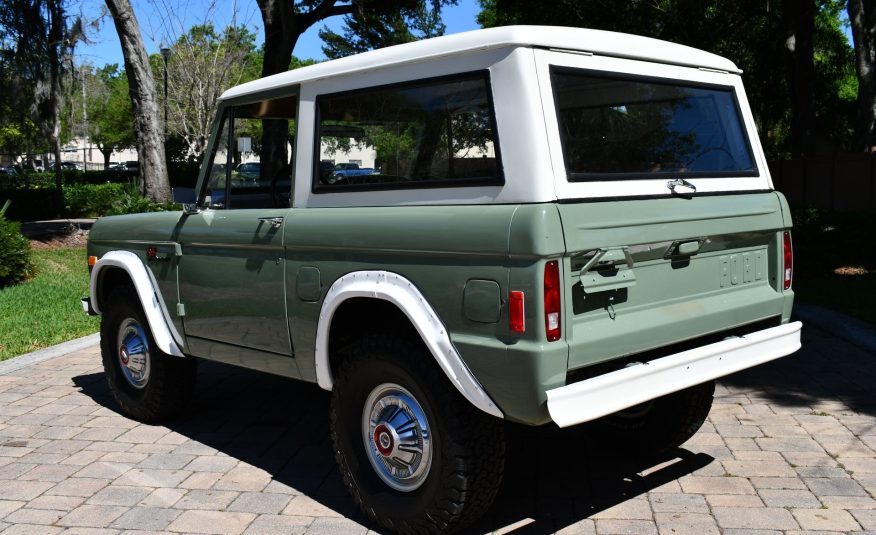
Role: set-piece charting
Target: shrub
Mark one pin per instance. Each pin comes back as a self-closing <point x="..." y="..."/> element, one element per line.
<point x="92" y="200"/>
<point x="95" y="200"/>
<point x="15" y="261"/>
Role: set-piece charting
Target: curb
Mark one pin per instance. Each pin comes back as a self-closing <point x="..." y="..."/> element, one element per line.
<point x="48" y="353"/>
<point x="850" y="329"/>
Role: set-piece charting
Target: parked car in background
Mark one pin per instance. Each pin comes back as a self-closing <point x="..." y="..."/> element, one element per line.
<point x="65" y="166"/>
<point x="8" y="171"/>
<point x="567" y="225"/>
<point x="249" y="171"/>
<point x="131" y="166"/>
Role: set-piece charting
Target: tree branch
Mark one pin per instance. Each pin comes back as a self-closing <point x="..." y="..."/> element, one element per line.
<point x="324" y="10"/>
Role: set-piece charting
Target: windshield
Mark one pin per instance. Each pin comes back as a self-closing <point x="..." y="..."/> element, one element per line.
<point x="615" y="128"/>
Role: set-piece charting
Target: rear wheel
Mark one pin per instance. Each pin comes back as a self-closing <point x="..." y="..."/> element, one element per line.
<point x="662" y="424"/>
<point x="415" y="455"/>
<point x="147" y="384"/>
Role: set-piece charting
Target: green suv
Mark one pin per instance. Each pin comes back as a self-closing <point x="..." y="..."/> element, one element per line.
<point x="562" y="225"/>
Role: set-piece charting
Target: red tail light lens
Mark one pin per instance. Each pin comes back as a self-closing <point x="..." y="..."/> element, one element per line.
<point x="789" y="260"/>
<point x="552" y="301"/>
<point x="515" y="312"/>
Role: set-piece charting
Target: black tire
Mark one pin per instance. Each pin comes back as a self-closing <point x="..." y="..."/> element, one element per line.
<point x="468" y="446"/>
<point x="169" y="381"/>
<point x="662" y="424"/>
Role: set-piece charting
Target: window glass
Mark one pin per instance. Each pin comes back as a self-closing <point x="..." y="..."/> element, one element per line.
<point x="632" y="128"/>
<point x="258" y="163"/>
<point x="429" y="133"/>
<point x="215" y="189"/>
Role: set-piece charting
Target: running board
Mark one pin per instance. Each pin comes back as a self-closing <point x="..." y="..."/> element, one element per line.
<point x="606" y="394"/>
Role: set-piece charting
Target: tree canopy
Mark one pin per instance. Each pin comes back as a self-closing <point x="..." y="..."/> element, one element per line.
<point x="763" y="38"/>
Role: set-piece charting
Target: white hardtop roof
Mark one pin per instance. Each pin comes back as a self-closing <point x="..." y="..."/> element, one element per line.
<point x="600" y="42"/>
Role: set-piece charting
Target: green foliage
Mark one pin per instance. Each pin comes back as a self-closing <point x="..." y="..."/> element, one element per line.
<point x="95" y="200"/>
<point x="110" y="116"/>
<point x="15" y="260"/>
<point x="369" y="29"/>
<point x="752" y="33"/>
<point x="45" y="310"/>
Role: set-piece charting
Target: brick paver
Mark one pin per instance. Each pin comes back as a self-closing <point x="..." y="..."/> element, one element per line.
<point x="788" y="448"/>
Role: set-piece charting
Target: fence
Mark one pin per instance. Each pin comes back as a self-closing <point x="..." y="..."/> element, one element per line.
<point x="843" y="182"/>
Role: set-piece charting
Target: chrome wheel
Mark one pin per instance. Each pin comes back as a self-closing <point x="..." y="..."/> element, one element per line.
<point x="397" y="437"/>
<point x="133" y="353"/>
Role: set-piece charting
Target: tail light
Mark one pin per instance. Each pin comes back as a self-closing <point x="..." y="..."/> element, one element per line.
<point x="552" y="325"/>
<point x="789" y="260"/>
<point x="515" y="312"/>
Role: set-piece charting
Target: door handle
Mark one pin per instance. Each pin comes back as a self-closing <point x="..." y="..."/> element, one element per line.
<point x="276" y="222"/>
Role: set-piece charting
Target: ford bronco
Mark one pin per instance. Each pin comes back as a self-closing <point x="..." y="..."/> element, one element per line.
<point x="564" y="225"/>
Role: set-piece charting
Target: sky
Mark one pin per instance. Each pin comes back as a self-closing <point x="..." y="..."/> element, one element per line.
<point x="156" y="27"/>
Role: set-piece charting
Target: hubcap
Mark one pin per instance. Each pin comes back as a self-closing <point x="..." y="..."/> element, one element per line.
<point x="397" y="437"/>
<point x="133" y="353"/>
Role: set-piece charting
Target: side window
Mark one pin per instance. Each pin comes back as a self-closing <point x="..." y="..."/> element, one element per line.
<point x="252" y="163"/>
<point x="429" y="133"/>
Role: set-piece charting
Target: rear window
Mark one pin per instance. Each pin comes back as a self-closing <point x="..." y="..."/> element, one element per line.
<point x="625" y="127"/>
<point x="429" y="133"/>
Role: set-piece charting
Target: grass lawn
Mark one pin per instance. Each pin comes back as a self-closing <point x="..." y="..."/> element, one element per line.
<point x="46" y="310"/>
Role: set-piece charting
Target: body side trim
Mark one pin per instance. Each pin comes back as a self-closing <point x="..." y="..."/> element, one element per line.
<point x="401" y="292"/>
<point x="166" y="337"/>
<point x="606" y="394"/>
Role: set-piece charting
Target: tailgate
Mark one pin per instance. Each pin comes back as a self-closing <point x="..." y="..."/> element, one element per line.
<point x="642" y="274"/>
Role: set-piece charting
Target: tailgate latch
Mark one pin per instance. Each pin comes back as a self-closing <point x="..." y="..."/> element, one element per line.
<point x="602" y="280"/>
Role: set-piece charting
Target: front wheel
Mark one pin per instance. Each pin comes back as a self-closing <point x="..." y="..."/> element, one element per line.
<point x="147" y="384"/>
<point x="415" y="455"/>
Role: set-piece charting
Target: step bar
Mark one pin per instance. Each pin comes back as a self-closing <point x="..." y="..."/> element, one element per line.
<point x="606" y="394"/>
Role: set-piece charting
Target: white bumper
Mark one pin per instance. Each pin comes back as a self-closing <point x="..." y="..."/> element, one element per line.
<point x="593" y="398"/>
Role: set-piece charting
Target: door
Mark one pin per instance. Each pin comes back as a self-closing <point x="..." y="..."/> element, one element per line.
<point x="232" y="268"/>
<point x="232" y="278"/>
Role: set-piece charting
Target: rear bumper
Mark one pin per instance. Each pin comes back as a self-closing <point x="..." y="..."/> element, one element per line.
<point x="621" y="389"/>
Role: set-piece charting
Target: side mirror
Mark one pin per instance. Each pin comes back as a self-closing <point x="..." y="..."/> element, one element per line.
<point x="190" y="208"/>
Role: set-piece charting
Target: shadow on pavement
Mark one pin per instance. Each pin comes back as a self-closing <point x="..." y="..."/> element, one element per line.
<point x="553" y="477"/>
<point x="826" y="372"/>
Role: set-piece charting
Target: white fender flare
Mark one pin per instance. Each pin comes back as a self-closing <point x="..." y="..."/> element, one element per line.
<point x="401" y="292"/>
<point x="163" y="331"/>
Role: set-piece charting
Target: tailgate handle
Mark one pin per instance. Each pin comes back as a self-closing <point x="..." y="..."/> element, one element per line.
<point x="681" y="248"/>
<point x="599" y="282"/>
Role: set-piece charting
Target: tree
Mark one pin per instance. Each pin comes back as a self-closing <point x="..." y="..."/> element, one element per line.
<point x="862" y="15"/>
<point x="37" y="44"/>
<point x="754" y="34"/>
<point x="147" y="125"/>
<point x="370" y="29"/>
<point x="202" y="65"/>
<point x="284" y="22"/>
<point x="110" y="113"/>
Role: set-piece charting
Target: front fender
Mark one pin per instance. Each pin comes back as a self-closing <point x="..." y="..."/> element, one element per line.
<point x="163" y="331"/>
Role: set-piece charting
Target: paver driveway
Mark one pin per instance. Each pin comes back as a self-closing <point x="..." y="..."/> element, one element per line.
<point x="788" y="447"/>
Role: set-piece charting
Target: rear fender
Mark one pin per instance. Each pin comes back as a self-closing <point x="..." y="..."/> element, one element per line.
<point x="401" y="292"/>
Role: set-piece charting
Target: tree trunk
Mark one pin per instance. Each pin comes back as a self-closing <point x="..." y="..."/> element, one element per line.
<point x="283" y="27"/>
<point x="147" y="124"/>
<point x="107" y="152"/>
<point x="862" y="15"/>
<point x="799" y="20"/>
